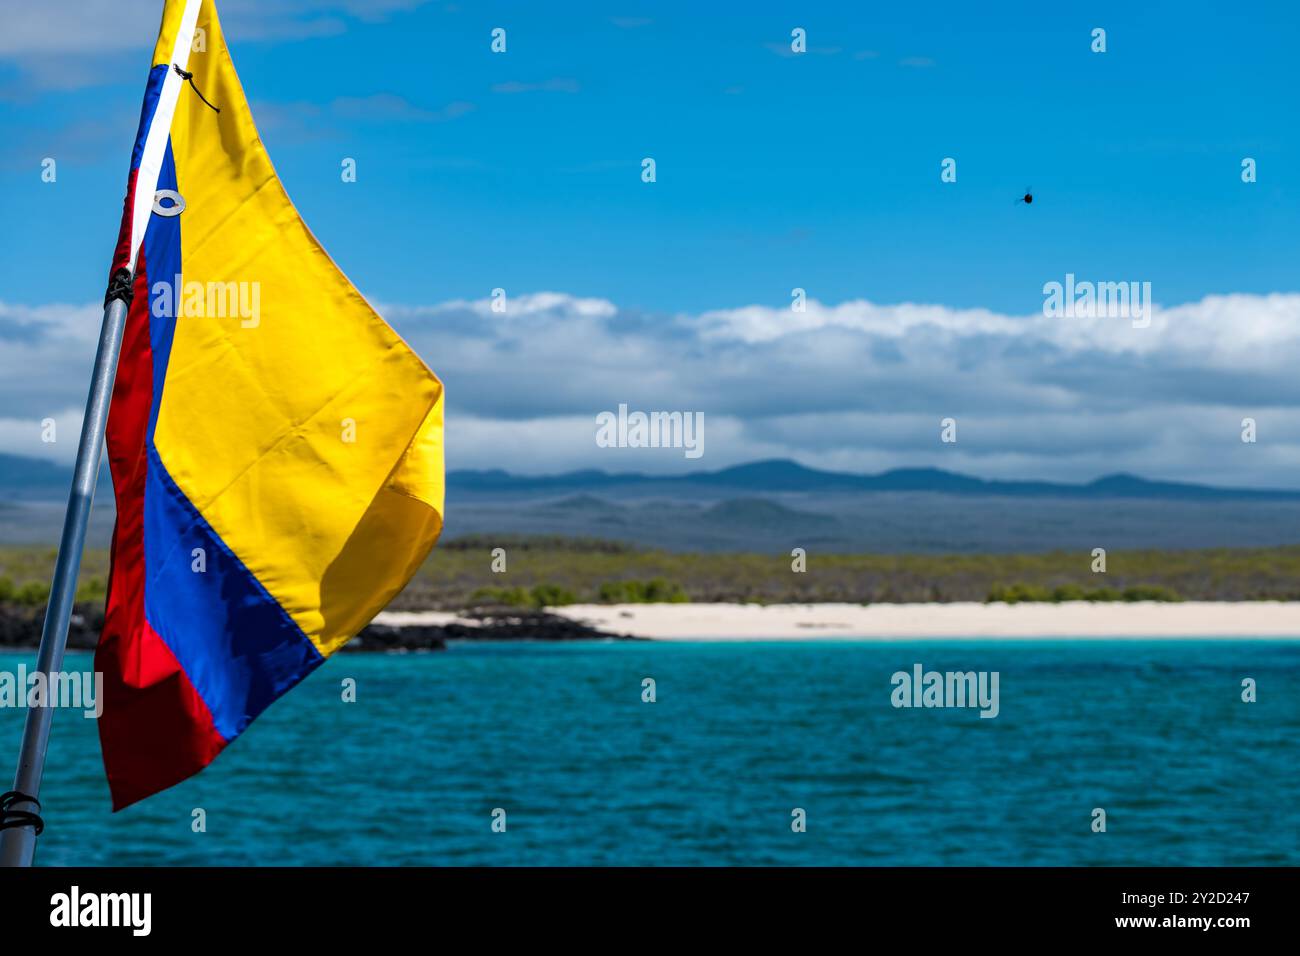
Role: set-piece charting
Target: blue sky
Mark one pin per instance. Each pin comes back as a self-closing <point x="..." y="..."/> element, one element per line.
<point x="820" y="171"/>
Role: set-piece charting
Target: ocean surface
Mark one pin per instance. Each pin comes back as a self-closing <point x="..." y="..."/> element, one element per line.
<point x="740" y="735"/>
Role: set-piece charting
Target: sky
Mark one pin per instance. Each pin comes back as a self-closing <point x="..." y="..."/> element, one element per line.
<point x="774" y="171"/>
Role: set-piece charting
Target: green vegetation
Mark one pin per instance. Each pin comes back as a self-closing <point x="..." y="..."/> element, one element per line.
<point x="614" y="573"/>
<point x="552" y="595"/>
<point x="1017" y="593"/>
<point x="554" y="571"/>
<point x="507" y="597"/>
<point x="91" y="589"/>
<point x="654" y="591"/>
<point x="32" y="594"/>
<point x="27" y="594"/>
<point x="539" y="595"/>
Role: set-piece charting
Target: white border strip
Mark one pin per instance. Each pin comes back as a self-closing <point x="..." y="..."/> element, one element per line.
<point x="155" y="143"/>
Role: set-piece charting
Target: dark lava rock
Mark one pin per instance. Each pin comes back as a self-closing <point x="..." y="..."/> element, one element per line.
<point x="489" y="624"/>
<point x="382" y="637"/>
<point x="20" y="626"/>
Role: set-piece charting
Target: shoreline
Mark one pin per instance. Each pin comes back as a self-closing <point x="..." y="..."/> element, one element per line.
<point x="1074" y="620"/>
<point x="1081" y="620"/>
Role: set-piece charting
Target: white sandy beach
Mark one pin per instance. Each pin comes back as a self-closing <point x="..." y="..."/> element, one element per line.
<point x="713" y="622"/>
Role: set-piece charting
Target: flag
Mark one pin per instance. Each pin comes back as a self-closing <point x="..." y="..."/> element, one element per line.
<point x="275" y="447"/>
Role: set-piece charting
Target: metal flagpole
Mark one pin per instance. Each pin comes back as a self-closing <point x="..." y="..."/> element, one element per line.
<point x="18" y="839"/>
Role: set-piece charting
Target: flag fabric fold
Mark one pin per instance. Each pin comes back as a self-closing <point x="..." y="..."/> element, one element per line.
<point x="275" y="447"/>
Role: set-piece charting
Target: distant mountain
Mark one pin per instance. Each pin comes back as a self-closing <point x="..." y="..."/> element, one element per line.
<point x="32" y="479"/>
<point x="760" y="512"/>
<point x="774" y="506"/>
<point x="782" y="475"/>
<point x="19" y="472"/>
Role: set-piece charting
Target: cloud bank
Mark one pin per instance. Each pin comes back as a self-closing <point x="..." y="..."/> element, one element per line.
<point x="854" y="386"/>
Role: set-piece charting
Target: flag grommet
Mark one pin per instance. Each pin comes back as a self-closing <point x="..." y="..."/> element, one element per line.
<point x="177" y="203"/>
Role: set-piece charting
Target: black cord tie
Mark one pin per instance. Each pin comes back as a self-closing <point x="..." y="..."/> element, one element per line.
<point x="189" y="78"/>
<point x="119" y="287"/>
<point x="10" y="818"/>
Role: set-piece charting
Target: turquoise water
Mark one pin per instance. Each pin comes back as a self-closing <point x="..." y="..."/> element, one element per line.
<point x="557" y="735"/>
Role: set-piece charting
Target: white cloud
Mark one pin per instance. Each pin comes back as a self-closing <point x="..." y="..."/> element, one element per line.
<point x="855" y="385"/>
<point x="862" y="386"/>
<point x="50" y="438"/>
<point x="1227" y="330"/>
